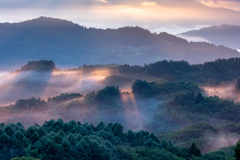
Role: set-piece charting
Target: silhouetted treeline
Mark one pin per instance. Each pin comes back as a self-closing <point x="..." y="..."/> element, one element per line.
<point x="108" y="92"/>
<point x="150" y="89"/>
<point x="221" y="70"/>
<point x="29" y="104"/>
<point x="118" y="80"/>
<point x="64" y="97"/>
<point x="42" y="65"/>
<point x="213" y="73"/>
<point x="35" y="104"/>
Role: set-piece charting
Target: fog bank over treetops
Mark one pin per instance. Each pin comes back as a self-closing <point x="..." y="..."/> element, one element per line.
<point x="69" y="44"/>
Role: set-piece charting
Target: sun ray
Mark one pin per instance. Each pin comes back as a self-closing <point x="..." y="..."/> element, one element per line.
<point x="131" y="111"/>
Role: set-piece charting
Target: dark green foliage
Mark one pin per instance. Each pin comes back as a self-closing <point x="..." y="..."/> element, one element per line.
<point x="116" y="80"/>
<point x="42" y="65"/>
<point x="199" y="98"/>
<point x="151" y="144"/>
<point x="189" y="132"/>
<point x="199" y="132"/>
<point x="142" y="153"/>
<point x="72" y="140"/>
<point x="30" y="104"/>
<point x="232" y="127"/>
<point x="127" y="69"/>
<point x="211" y="106"/>
<point x="163" y="69"/>
<point x="194" y="150"/>
<point x="149" y="89"/>
<point x="144" y="88"/>
<point x="24" y="158"/>
<point x="65" y="97"/>
<point x="182" y="99"/>
<point x="211" y="73"/>
<point x="237" y="151"/>
<point x="218" y="155"/>
<point x="107" y="93"/>
<point x="185" y="105"/>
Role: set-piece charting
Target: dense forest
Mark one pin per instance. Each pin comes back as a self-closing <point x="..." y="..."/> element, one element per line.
<point x="163" y="114"/>
<point x="73" y="140"/>
<point x="208" y="73"/>
<point x="42" y="65"/>
<point x="216" y="72"/>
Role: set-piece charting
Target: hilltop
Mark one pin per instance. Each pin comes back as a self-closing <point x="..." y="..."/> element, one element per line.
<point x="69" y="44"/>
<point x="228" y="35"/>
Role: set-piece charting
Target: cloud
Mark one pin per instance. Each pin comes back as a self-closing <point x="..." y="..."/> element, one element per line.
<point x="149" y="4"/>
<point x="64" y="3"/>
<point x="150" y="14"/>
<point x="104" y="1"/>
<point x="228" y="4"/>
<point x="193" y="39"/>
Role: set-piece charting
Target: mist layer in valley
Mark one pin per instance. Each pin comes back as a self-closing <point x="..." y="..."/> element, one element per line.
<point x="163" y="96"/>
<point x="129" y="111"/>
<point x="27" y="84"/>
<point x="228" y="90"/>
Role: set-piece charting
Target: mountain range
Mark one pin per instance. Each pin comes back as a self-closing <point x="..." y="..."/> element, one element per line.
<point x="69" y="44"/>
<point x="227" y="35"/>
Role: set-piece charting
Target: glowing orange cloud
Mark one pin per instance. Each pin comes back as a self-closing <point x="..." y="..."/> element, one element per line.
<point x="74" y="81"/>
<point x="226" y="91"/>
<point x="147" y="14"/>
<point x="149" y="4"/>
<point x="234" y="5"/>
<point x="104" y="1"/>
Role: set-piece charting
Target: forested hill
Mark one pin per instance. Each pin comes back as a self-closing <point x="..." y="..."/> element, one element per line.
<point x="228" y="35"/>
<point x="42" y="65"/>
<point x="70" y="44"/>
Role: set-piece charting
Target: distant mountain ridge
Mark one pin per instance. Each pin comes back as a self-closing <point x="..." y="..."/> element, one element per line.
<point x="228" y="35"/>
<point x="69" y="44"/>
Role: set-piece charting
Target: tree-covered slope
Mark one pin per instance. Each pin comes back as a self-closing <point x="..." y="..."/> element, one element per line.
<point x="156" y="101"/>
<point x="56" y="140"/>
<point x="211" y="73"/>
<point x="69" y="44"/>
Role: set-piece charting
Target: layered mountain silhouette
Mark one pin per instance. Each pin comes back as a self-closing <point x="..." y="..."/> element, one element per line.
<point x="227" y="35"/>
<point x="69" y="44"/>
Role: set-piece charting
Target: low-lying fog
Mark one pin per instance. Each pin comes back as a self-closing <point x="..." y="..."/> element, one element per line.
<point x="226" y="91"/>
<point x="21" y="85"/>
<point x="133" y="114"/>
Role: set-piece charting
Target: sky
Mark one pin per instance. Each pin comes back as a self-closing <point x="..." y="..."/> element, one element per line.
<point x="172" y="16"/>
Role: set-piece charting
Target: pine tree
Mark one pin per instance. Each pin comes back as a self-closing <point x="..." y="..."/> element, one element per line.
<point x="194" y="150"/>
<point x="237" y="151"/>
<point x="199" y="98"/>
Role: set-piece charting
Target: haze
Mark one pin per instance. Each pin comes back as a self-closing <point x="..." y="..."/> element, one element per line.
<point x="169" y="67"/>
<point x="156" y="15"/>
